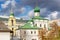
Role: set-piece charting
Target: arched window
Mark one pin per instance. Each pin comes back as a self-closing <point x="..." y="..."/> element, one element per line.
<point x="24" y="32"/>
<point x="33" y="39"/>
<point x="31" y="32"/>
<point x="44" y="25"/>
<point x="35" y="24"/>
<point x="12" y="22"/>
<point x="34" y="32"/>
<point x="40" y="25"/>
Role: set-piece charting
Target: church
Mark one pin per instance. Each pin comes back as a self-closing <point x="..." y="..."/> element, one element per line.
<point x="31" y="30"/>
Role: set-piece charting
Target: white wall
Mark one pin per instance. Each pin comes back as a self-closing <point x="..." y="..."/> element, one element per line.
<point x="28" y="35"/>
<point x="42" y="22"/>
<point x="37" y="14"/>
<point x="28" y="32"/>
<point x="32" y="37"/>
<point x="4" y="35"/>
<point x="18" y="33"/>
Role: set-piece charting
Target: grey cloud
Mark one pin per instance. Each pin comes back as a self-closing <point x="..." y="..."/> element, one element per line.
<point x="52" y="5"/>
<point x="44" y="12"/>
<point x="58" y="16"/>
<point x="46" y="6"/>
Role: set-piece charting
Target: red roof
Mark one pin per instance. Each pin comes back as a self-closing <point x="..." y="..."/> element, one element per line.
<point x="3" y="27"/>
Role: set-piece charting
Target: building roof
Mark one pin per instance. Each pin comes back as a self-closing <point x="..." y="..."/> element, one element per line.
<point x="3" y="27"/>
<point x="38" y="17"/>
<point x="12" y="14"/>
<point x="37" y="9"/>
<point x="3" y="19"/>
<point x="29" y="26"/>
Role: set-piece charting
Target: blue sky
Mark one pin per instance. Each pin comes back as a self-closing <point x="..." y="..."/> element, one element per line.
<point x="49" y="9"/>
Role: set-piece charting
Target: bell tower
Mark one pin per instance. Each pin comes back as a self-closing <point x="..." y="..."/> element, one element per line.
<point x="12" y="20"/>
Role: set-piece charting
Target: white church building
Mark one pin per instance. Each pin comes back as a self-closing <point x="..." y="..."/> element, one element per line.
<point x="30" y="31"/>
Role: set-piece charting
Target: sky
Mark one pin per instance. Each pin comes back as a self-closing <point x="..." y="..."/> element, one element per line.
<point x="49" y="9"/>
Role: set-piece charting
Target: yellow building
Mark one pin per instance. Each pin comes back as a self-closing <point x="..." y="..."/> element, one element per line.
<point x="12" y="23"/>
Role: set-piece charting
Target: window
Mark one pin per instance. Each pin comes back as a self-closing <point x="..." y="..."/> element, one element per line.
<point x="31" y="32"/>
<point x="34" y="32"/>
<point x="44" y="25"/>
<point x="33" y="39"/>
<point x="35" y="24"/>
<point x="12" y="22"/>
<point x="24" y="32"/>
<point x="40" y="25"/>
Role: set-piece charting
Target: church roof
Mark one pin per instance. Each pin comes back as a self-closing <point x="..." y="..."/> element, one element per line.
<point x="38" y="17"/>
<point x="37" y="9"/>
<point x="28" y="26"/>
<point x="12" y="14"/>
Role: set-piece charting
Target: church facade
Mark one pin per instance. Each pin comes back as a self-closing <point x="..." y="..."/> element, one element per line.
<point x="31" y="30"/>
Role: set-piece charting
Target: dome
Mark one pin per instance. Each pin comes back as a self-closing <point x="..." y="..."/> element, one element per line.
<point x="12" y="14"/>
<point x="37" y="9"/>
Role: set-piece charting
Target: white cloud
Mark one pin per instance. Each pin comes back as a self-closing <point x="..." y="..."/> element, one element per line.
<point x="47" y="18"/>
<point x="17" y="17"/>
<point x="23" y="9"/>
<point x="4" y="16"/>
<point x="13" y="3"/>
<point x="25" y="17"/>
<point x="53" y="15"/>
<point x="43" y="10"/>
<point x="7" y="17"/>
<point x="31" y="13"/>
<point x="5" y="4"/>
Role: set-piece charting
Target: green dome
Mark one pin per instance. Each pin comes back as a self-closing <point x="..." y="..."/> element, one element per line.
<point x="37" y="9"/>
<point x="12" y="14"/>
